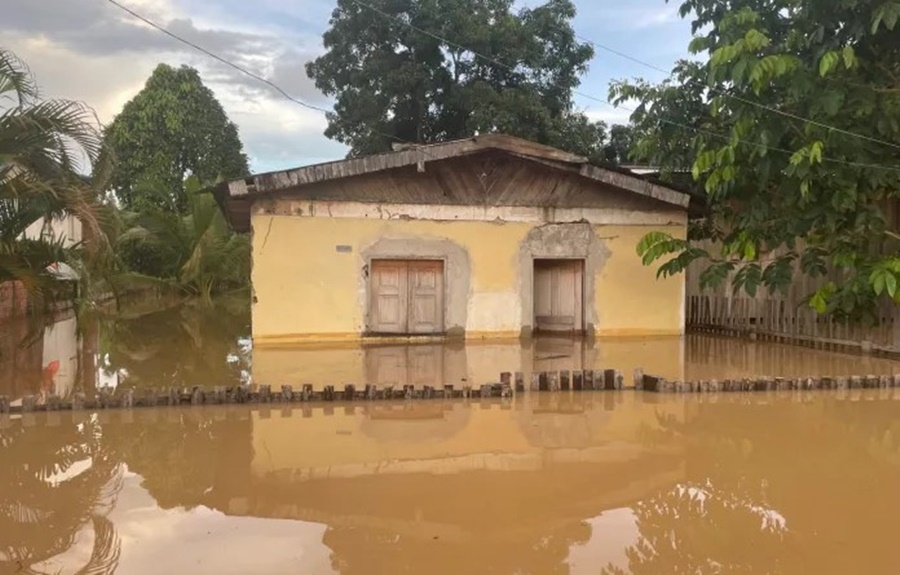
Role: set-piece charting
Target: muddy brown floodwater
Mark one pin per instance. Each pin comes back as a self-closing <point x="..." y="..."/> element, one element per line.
<point x="604" y="483"/>
<point x="208" y="346"/>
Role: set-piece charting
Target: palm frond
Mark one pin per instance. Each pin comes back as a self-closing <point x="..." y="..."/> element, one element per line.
<point x="16" y="80"/>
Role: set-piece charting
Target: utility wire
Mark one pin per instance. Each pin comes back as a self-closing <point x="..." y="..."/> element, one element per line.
<point x="434" y="36"/>
<point x="727" y="94"/>
<point x="243" y="70"/>
<point x="286" y="95"/>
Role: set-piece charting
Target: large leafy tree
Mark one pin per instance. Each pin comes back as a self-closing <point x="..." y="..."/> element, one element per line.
<point x="43" y="144"/>
<point x="790" y="121"/>
<point x="394" y="79"/>
<point x="172" y="129"/>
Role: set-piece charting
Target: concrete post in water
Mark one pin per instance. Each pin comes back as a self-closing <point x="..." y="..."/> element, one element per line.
<point x="349" y="392"/>
<point x="564" y="382"/>
<point x="652" y="383"/>
<point x="4" y="404"/>
<point x="553" y="380"/>
<point x="519" y="382"/>
<point x="577" y="380"/>
<point x="638" y="379"/>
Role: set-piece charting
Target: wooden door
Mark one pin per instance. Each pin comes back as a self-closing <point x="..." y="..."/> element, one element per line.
<point x="558" y="300"/>
<point x="406" y="297"/>
<point x="426" y="297"/>
<point x="389" y="297"/>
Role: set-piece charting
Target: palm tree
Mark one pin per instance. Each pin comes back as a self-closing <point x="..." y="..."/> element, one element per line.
<point x="194" y="252"/>
<point x="42" y="143"/>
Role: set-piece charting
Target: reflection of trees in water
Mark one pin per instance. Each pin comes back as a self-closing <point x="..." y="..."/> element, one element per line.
<point x="186" y="457"/>
<point x="773" y="482"/>
<point x="42" y="509"/>
<point x="366" y="550"/>
<point x="192" y="344"/>
<point x="699" y="528"/>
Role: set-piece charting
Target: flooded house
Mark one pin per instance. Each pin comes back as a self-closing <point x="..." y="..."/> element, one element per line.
<point x="486" y="237"/>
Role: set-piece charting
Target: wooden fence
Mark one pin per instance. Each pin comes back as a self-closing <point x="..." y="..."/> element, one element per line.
<point x="785" y="317"/>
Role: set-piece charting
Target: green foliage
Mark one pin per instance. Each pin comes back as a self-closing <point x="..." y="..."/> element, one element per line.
<point x="391" y="82"/>
<point x="196" y="253"/>
<point x="171" y="129"/>
<point x="771" y="178"/>
<point x="40" y="144"/>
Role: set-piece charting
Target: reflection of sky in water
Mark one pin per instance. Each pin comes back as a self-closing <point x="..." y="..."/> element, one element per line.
<point x="201" y="539"/>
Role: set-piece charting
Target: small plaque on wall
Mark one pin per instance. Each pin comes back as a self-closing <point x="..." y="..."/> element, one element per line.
<point x="344" y="249"/>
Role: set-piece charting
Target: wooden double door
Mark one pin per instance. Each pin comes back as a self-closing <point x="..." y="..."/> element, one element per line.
<point x="406" y="297"/>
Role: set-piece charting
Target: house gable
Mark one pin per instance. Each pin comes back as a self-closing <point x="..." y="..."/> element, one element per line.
<point x="491" y="171"/>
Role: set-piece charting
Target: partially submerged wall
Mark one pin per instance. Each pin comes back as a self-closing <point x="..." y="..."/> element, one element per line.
<point x="311" y="262"/>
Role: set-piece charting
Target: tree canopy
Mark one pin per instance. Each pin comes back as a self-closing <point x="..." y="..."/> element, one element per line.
<point x="172" y="129"/>
<point x="790" y="121"/>
<point x="394" y="79"/>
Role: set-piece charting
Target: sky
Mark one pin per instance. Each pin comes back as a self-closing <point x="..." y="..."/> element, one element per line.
<point x="92" y="51"/>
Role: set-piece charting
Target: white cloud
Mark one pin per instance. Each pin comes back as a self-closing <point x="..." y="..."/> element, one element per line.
<point x="88" y="50"/>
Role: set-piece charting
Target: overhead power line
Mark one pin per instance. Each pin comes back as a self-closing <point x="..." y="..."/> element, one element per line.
<point x="743" y="100"/>
<point x="242" y="70"/>
<point x="307" y="105"/>
<point x="492" y="60"/>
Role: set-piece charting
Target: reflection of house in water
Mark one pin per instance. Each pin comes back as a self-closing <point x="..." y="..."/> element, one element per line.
<point x="455" y="362"/>
<point x="419" y="485"/>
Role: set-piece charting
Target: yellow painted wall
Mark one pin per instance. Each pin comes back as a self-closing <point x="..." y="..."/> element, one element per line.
<point x="305" y="290"/>
<point x="630" y="300"/>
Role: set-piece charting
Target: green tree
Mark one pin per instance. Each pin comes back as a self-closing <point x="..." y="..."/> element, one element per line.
<point x="41" y="145"/>
<point x="505" y="71"/>
<point x="618" y="150"/>
<point x="772" y="106"/>
<point x="172" y="129"/>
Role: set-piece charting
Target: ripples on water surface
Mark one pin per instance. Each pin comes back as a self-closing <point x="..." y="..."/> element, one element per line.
<point x="207" y="346"/>
<point x="609" y="483"/>
<point x="599" y="483"/>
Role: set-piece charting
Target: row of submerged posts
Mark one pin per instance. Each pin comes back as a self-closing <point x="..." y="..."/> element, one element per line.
<point x="510" y="383"/>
